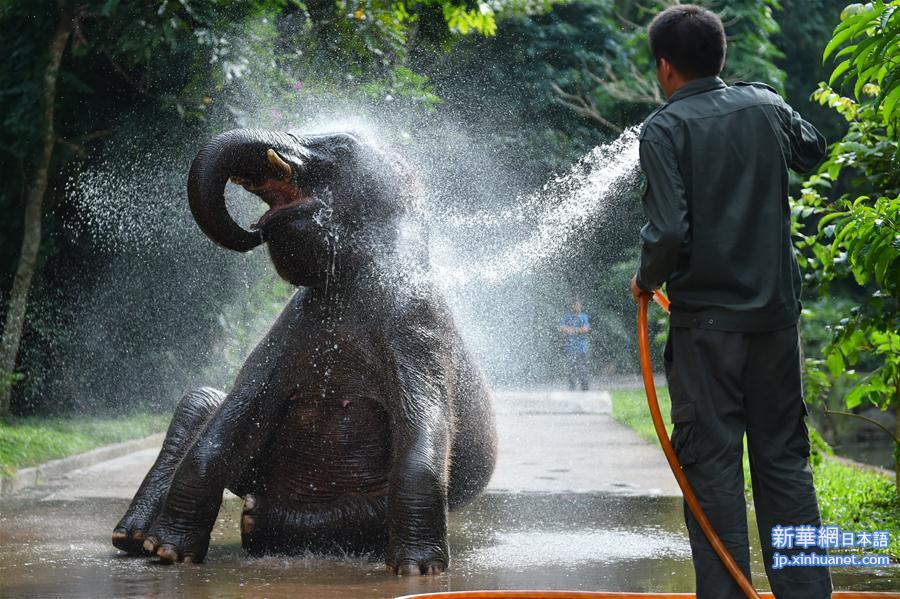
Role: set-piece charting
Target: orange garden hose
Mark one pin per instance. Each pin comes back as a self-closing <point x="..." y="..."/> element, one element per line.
<point x="689" y="497"/>
<point x="686" y="490"/>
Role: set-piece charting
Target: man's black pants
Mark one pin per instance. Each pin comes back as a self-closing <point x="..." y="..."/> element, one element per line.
<point x="722" y="385"/>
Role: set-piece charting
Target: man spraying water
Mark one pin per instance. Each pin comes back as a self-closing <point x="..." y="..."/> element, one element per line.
<point x="716" y="161"/>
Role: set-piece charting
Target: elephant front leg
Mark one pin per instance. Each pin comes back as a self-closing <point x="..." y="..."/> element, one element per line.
<point x="417" y="501"/>
<point x="182" y="529"/>
<point x="420" y="416"/>
<point x="191" y="415"/>
<point x="220" y="457"/>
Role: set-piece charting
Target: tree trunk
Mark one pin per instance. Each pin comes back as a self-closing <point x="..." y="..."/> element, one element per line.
<point x="34" y="200"/>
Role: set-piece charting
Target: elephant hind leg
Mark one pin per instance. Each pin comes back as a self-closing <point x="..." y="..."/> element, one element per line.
<point x="191" y="415"/>
<point x="353" y="525"/>
<point x="474" y="450"/>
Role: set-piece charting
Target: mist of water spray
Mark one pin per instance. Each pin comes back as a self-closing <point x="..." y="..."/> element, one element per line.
<point x="555" y="218"/>
<point x="489" y="248"/>
<point x="156" y="281"/>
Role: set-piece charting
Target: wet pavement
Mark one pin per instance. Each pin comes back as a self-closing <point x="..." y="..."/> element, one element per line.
<point x="578" y="502"/>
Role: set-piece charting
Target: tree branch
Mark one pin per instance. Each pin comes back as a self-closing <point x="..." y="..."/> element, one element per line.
<point x="865" y="418"/>
<point x="583" y="107"/>
<point x="637" y="89"/>
<point x="76" y="144"/>
<point x="138" y="85"/>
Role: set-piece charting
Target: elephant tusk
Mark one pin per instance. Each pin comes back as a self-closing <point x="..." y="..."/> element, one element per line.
<point x="280" y="165"/>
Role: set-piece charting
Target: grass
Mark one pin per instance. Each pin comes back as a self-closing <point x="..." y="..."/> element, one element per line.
<point x="850" y="497"/>
<point x="33" y="440"/>
<point x="857" y="499"/>
<point x="629" y="406"/>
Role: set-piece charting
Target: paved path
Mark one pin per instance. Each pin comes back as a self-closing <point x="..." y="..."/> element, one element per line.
<point x="552" y="441"/>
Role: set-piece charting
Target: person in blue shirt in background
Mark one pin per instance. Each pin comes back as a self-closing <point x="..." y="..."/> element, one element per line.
<point x="575" y="327"/>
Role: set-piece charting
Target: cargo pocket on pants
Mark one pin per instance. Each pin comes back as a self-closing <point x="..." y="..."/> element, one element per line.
<point x="683" y="440"/>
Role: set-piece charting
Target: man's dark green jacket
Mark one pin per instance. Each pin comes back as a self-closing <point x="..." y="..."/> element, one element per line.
<point x="716" y="159"/>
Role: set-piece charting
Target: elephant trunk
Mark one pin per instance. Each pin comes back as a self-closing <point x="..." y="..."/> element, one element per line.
<point x="240" y="153"/>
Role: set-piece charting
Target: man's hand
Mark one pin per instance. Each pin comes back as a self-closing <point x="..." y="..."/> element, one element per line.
<point x="636" y="292"/>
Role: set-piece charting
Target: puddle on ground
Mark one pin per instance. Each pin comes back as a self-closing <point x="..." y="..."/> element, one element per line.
<point x="502" y="540"/>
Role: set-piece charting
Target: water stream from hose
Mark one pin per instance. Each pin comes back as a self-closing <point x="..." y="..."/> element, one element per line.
<point x="548" y="222"/>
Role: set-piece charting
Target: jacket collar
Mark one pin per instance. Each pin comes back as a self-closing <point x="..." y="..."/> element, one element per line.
<point x="697" y="86"/>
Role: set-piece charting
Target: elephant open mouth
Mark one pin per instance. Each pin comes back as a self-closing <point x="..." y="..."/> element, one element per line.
<point x="281" y="193"/>
<point x="275" y="166"/>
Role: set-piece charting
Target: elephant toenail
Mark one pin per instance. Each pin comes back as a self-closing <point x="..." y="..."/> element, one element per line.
<point x="167" y="553"/>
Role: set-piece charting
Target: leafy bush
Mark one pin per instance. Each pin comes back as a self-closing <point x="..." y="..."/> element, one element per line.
<point x="852" y="205"/>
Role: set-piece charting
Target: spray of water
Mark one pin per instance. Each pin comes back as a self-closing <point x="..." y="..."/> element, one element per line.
<point x="555" y="218"/>
<point x="489" y="253"/>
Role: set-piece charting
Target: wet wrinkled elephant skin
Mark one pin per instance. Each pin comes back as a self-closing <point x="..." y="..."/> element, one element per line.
<point x="360" y="419"/>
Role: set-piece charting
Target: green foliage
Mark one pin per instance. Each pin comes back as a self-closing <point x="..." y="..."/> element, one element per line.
<point x="243" y="326"/>
<point x="855" y="238"/>
<point x="630" y="75"/>
<point x="29" y="441"/>
<point x="466" y="20"/>
<point x="591" y="57"/>
<point x="496" y="84"/>
<point x="819" y="449"/>
<point x="869" y="41"/>
<point x="800" y="40"/>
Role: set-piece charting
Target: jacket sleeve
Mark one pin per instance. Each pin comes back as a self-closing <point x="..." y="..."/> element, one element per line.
<point x="666" y="234"/>
<point x="806" y="146"/>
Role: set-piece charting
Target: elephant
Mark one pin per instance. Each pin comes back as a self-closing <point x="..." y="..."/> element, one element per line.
<point x="360" y="419"/>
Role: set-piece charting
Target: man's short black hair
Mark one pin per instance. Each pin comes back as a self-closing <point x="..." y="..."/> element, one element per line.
<point x="691" y="38"/>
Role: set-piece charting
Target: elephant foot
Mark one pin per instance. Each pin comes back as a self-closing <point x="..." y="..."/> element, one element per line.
<point x="415" y="568"/>
<point x="129" y="533"/>
<point x="192" y="412"/>
<point x="177" y="542"/>
<point x="417" y="562"/>
<point x="129" y="541"/>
